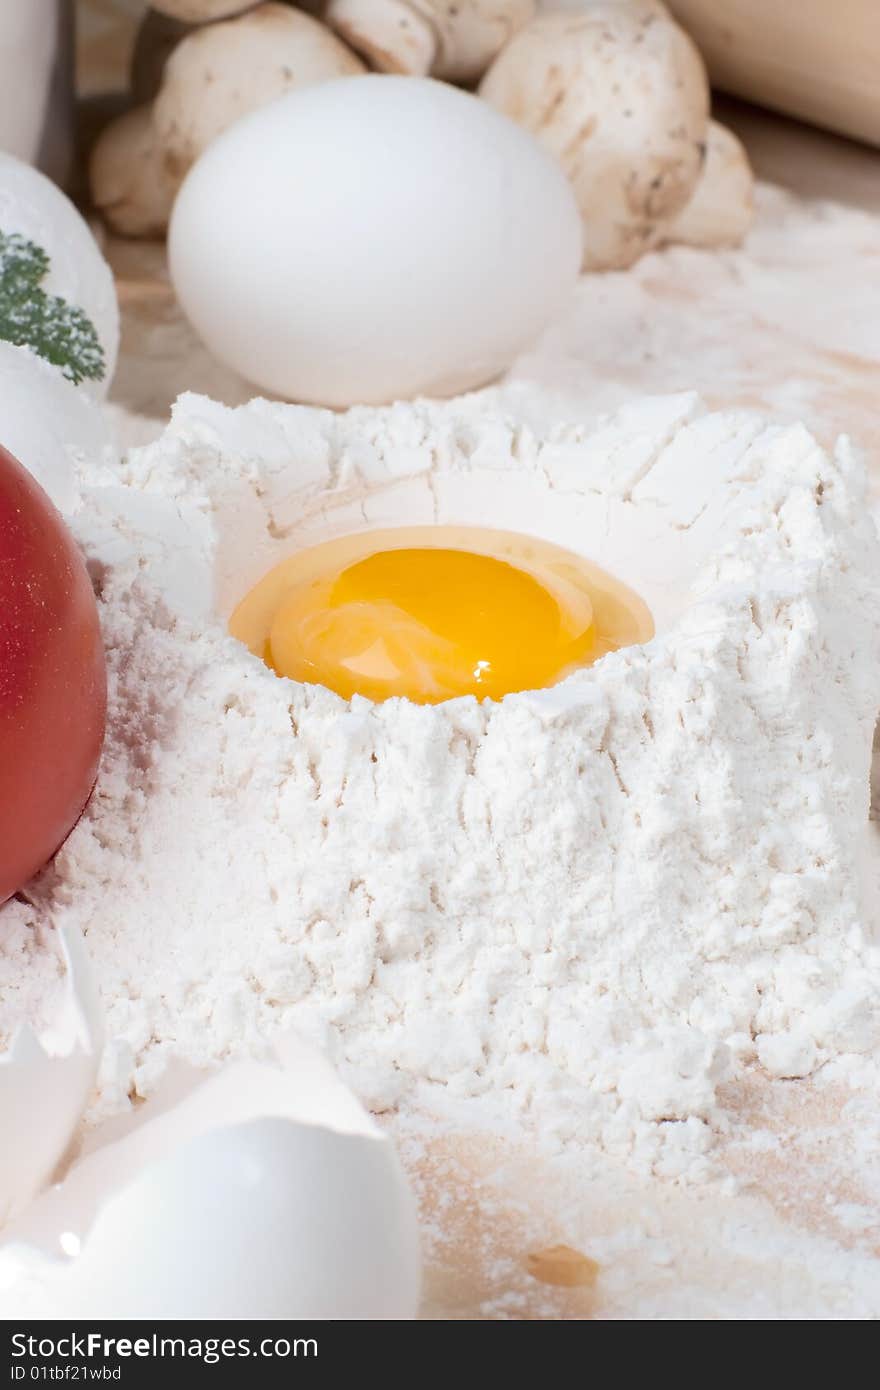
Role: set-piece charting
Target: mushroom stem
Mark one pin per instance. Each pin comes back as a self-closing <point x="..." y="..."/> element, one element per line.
<point x="390" y="34"/>
<point x="130" y="185"/>
<point x="721" y="209"/>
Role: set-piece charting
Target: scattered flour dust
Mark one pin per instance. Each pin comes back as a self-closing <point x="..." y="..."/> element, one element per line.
<point x="581" y="911"/>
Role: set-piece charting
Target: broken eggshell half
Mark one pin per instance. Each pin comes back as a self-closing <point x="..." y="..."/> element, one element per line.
<point x="45" y="1084"/>
<point x="263" y="1191"/>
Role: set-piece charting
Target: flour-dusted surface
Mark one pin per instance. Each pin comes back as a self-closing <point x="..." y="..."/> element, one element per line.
<point x="576" y="913"/>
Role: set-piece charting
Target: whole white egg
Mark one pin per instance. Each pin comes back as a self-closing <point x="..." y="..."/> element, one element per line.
<point x="373" y="238"/>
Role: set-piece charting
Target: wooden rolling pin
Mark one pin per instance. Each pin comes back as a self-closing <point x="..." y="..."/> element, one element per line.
<point x="817" y="59"/>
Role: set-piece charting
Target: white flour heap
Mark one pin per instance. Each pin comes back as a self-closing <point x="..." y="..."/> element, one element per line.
<point x="582" y="907"/>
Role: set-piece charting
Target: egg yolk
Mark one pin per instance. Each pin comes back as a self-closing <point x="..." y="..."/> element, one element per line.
<point x="429" y="624"/>
<point x="433" y="621"/>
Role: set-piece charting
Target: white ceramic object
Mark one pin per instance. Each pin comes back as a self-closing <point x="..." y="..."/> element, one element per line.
<point x="33" y="207"/>
<point x="371" y="239"/>
<point x="47" y="423"/>
<point x="36" y="83"/>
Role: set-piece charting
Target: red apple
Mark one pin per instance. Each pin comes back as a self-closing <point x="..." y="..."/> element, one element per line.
<point x="53" y="681"/>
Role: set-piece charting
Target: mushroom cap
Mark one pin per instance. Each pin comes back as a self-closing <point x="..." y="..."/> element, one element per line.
<point x="200" y="11"/>
<point x="393" y="35"/>
<point x="129" y="182"/>
<point x="721" y="210"/>
<point x="456" y="42"/>
<point x="224" y="71"/>
<point x="156" y="39"/>
<point x="620" y="96"/>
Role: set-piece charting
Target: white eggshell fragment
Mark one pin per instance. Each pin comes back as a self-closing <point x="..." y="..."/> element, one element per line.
<point x="373" y="238"/>
<point x="261" y="1192"/>
<point x="264" y="1220"/>
<point x="45" y="1085"/>
<point x="33" y="207"/>
<point x="47" y="423"/>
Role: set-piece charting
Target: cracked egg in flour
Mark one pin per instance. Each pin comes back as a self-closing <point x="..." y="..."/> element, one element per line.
<point x="435" y="612"/>
<point x="582" y="903"/>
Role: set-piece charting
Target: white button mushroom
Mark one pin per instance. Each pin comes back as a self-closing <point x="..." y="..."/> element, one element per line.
<point x="157" y="37"/>
<point x="130" y="184"/>
<point x="619" y="94"/>
<point x="721" y="209"/>
<point x="452" y="39"/>
<point x="224" y="71"/>
<point x="212" y="77"/>
<point x="201" y="11"/>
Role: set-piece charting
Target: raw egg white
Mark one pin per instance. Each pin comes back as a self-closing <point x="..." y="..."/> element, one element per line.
<point x="435" y="612"/>
<point x="373" y="238"/>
